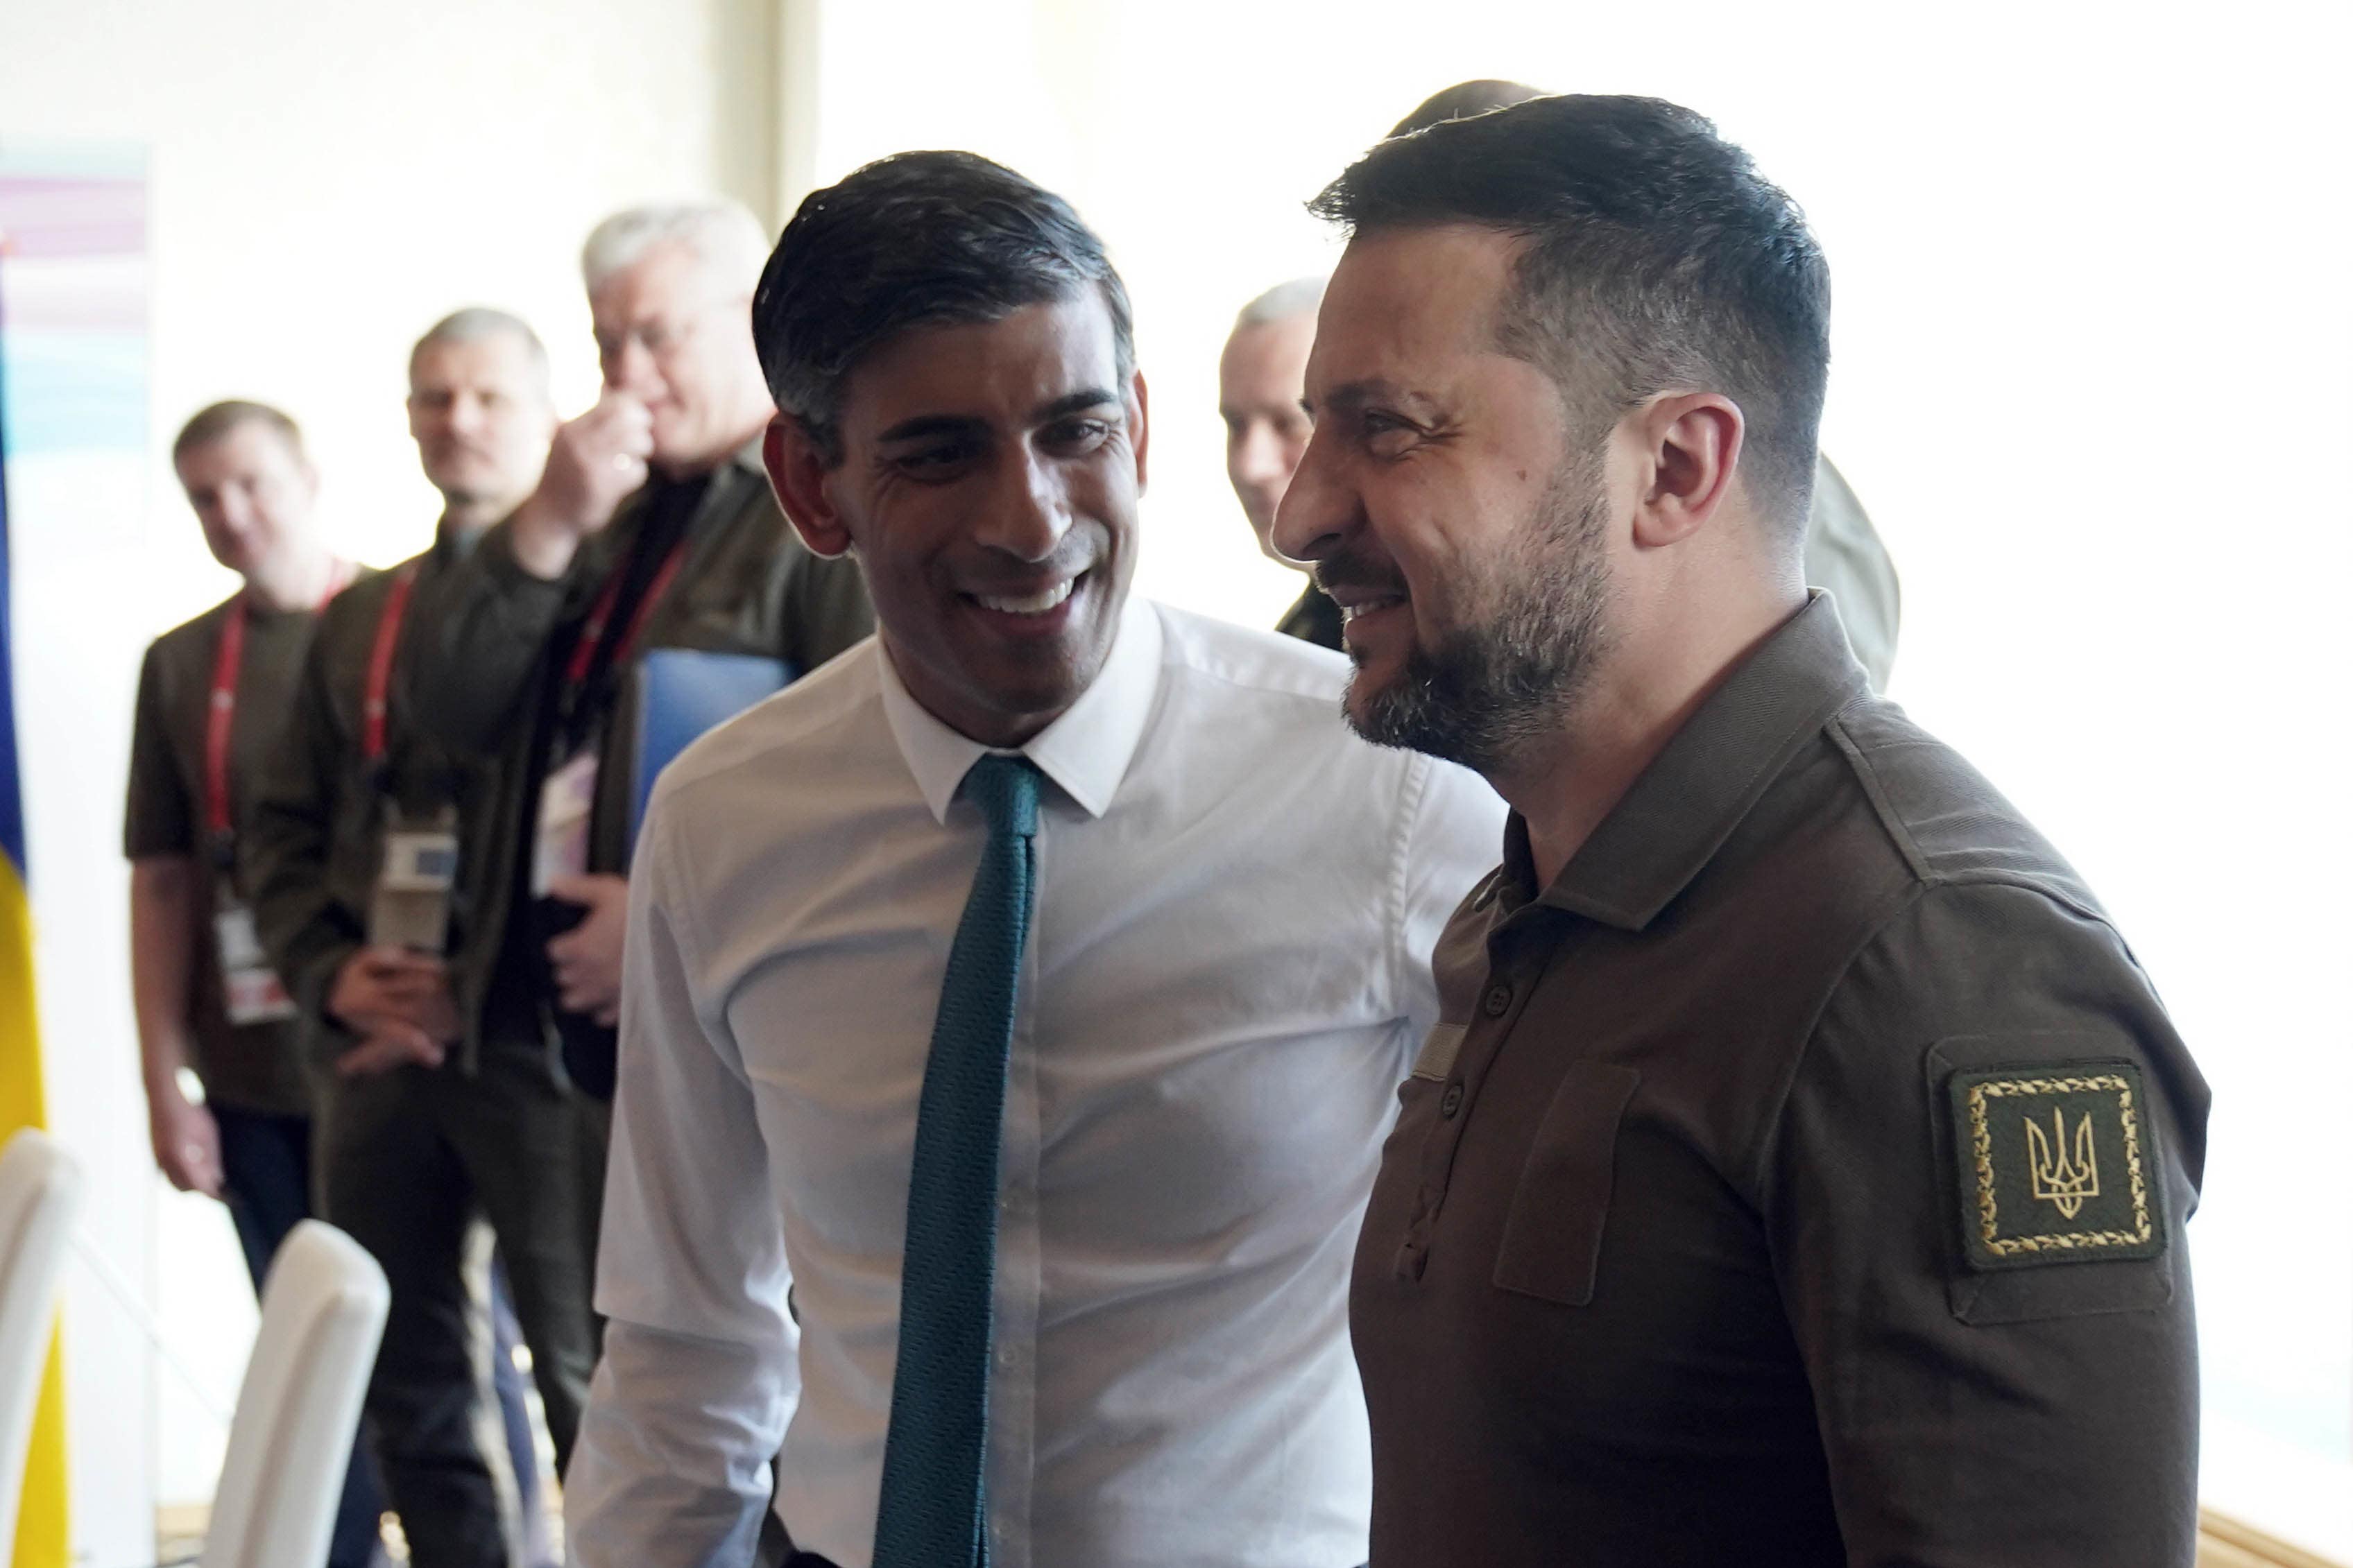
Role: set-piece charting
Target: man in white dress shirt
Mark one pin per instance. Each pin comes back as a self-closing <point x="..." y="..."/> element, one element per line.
<point x="1224" y="977"/>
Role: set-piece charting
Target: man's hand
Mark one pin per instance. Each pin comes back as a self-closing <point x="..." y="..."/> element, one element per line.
<point x="587" y="957"/>
<point x="185" y="1139"/>
<point x="398" y="1003"/>
<point x="594" y="464"/>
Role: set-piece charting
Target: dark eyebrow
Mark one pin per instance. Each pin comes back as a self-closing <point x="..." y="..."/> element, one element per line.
<point x="1074" y="402"/>
<point x="935" y="425"/>
<point x="923" y="425"/>
<point x="1356" y="395"/>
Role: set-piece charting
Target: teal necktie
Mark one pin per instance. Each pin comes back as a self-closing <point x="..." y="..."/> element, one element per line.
<point x="934" y="1507"/>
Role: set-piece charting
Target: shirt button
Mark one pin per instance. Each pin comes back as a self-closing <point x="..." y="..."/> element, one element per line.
<point x="1451" y="1101"/>
<point x="1498" y="1000"/>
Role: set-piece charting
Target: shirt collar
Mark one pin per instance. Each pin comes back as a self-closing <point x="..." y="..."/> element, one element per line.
<point x="1687" y="803"/>
<point x="1085" y="752"/>
<point x="451" y="544"/>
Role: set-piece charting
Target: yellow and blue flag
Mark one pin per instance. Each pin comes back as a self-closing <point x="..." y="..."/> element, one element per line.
<point x="41" y="1523"/>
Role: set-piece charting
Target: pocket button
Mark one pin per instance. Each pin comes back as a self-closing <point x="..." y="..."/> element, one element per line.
<point x="1498" y="1000"/>
<point x="1451" y="1101"/>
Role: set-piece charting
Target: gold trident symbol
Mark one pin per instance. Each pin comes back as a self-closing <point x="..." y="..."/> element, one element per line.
<point x="2068" y="1183"/>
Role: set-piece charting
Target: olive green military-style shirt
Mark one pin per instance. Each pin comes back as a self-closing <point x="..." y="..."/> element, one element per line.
<point x="253" y="1066"/>
<point x="488" y="663"/>
<point x="1799" y="1179"/>
<point x="315" y="832"/>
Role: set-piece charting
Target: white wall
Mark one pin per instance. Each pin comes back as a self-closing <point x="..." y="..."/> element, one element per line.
<point x="2091" y="340"/>
<point x="327" y="180"/>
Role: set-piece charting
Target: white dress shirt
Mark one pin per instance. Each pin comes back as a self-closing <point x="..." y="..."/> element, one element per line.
<point x="1227" y="973"/>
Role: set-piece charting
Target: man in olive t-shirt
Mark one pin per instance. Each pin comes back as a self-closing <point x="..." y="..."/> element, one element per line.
<point x="214" y="694"/>
<point x="1798" y="1172"/>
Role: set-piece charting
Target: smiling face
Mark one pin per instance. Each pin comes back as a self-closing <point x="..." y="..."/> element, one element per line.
<point x="988" y="481"/>
<point x="1448" y="502"/>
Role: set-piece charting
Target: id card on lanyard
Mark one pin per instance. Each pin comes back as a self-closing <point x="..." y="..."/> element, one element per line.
<point x="250" y="987"/>
<point x="418" y="861"/>
<point x="567" y="795"/>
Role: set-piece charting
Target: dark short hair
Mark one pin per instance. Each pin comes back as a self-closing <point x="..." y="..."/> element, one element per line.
<point x="217" y="421"/>
<point x="915" y="240"/>
<point x="1463" y="100"/>
<point x="1657" y="258"/>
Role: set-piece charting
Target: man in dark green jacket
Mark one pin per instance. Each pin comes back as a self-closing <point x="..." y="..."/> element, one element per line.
<point x="360" y="897"/>
<point x="653" y="527"/>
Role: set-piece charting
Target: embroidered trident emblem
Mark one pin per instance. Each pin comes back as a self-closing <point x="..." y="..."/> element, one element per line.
<point x="2067" y="1183"/>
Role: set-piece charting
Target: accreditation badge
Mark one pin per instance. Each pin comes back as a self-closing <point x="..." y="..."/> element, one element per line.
<point x="560" y="846"/>
<point x="251" y="988"/>
<point x="410" y="906"/>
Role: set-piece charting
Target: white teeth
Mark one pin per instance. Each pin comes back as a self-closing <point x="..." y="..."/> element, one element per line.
<point x="1350" y="611"/>
<point x="1035" y="603"/>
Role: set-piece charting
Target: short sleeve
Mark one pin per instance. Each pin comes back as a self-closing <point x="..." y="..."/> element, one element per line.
<point x="159" y="814"/>
<point x="1975" y="1196"/>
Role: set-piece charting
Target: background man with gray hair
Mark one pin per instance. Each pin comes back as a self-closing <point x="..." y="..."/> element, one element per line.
<point x="653" y="526"/>
<point x="359" y="884"/>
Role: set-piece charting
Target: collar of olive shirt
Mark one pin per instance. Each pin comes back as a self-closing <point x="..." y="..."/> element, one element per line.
<point x="1687" y="803"/>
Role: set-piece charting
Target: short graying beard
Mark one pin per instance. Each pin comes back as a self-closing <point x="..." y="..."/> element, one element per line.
<point x="1490" y="690"/>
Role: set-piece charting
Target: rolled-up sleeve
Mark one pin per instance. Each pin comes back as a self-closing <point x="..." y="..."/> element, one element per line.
<point x="699" y="1373"/>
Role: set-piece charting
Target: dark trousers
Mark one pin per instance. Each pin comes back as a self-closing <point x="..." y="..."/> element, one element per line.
<point x="413" y="1163"/>
<point x="265" y="1171"/>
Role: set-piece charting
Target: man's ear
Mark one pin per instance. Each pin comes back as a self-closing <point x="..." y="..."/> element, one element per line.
<point x="1690" y="444"/>
<point x="1139" y="426"/>
<point x="797" y="470"/>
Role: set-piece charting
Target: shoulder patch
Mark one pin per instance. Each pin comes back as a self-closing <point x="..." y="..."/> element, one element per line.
<point x="2058" y="1165"/>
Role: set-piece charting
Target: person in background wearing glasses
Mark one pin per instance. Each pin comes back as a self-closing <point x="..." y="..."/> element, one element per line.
<point x="652" y="527"/>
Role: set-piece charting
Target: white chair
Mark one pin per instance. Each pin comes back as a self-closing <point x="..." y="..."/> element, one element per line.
<point x="323" y="1311"/>
<point x="40" y="1188"/>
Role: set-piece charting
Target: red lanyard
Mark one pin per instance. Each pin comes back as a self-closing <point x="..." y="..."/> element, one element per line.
<point x="379" y="670"/>
<point x="221" y="717"/>
<point x="591" y="631"/>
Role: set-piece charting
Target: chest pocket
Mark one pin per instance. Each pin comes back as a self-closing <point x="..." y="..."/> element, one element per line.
<point x="1552" y="1236"/>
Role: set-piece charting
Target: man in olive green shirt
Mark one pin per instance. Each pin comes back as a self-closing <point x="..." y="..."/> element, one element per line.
<point x="652" y="528"/>
<point x="1799" y="1170"/>
<point x="362" y="895"/>
<point x="213" y="699"/>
